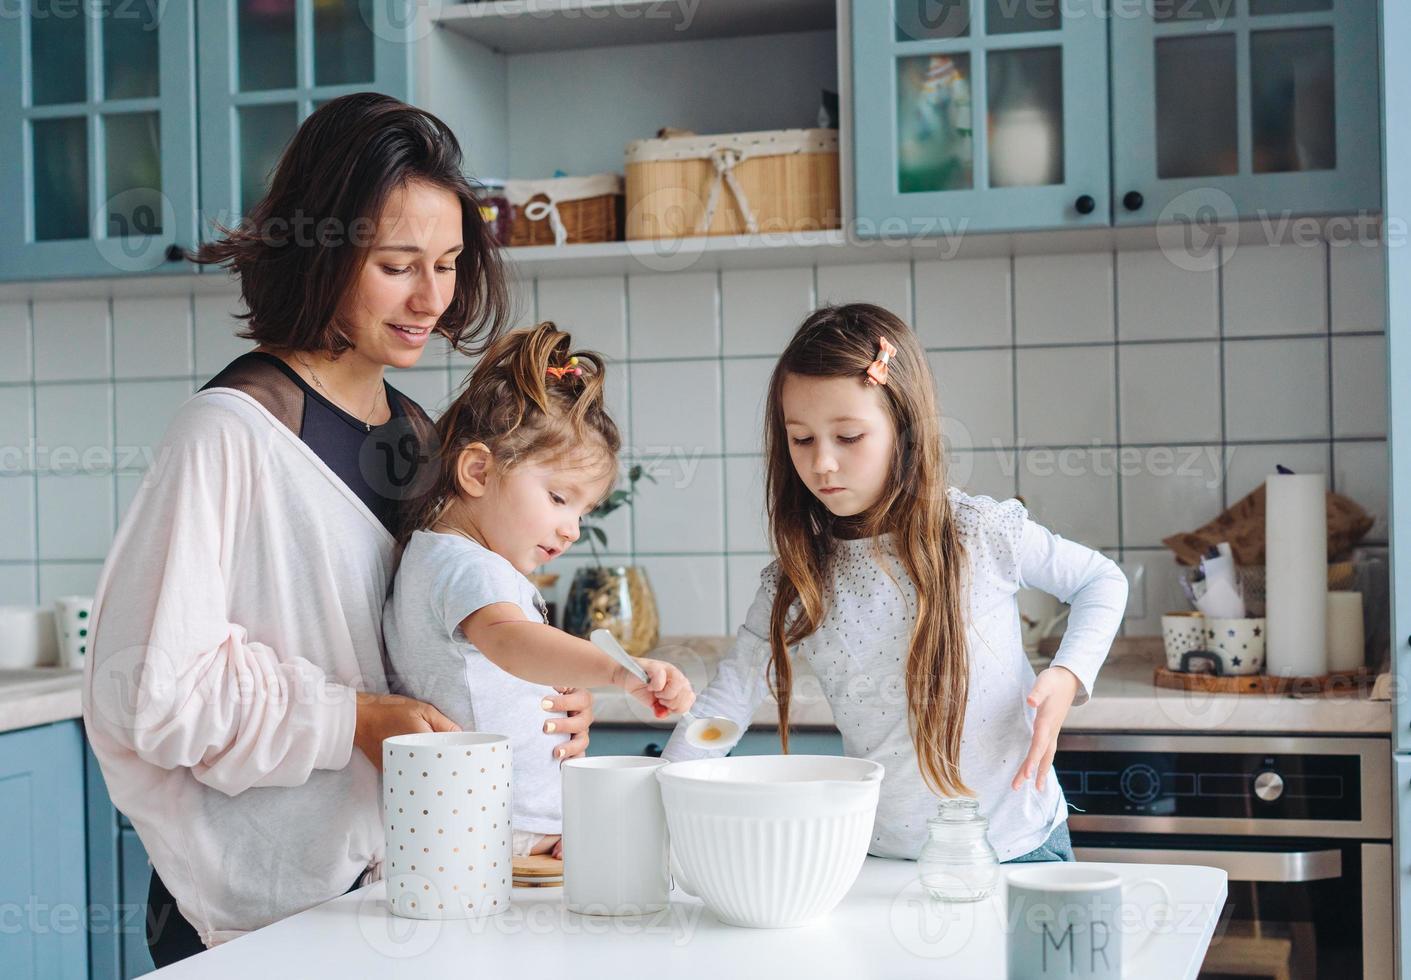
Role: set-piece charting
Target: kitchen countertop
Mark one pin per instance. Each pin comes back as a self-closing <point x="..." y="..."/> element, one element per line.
<point x="1124" y="699"/>
<point x="885" y="927"/>
<point x="39" y="696"/>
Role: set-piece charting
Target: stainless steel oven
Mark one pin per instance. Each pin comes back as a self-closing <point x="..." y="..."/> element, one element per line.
<point x="1301" y="825"/>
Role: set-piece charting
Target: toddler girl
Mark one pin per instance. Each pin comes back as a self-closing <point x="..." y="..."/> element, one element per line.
<point x="524" y="452"/>
<point x="900" y="594"/>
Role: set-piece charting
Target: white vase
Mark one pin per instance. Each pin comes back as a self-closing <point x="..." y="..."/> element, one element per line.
<point x="446" y="814"/>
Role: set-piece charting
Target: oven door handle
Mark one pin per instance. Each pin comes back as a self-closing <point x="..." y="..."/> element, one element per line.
<point x="1285" y="866"/>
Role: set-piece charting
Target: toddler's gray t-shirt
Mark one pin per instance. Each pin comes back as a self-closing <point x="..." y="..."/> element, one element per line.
<point x="441" y="580"/>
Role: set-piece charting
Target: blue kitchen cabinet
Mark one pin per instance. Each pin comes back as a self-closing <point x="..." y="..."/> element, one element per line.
<point x="118" y="878"/>
<point x="266" y="64"/>
<point x="1225" y="110"/>
<point x="978" y="115"/>
<point x="97" y="138"/>
<point x="43" y="879"/>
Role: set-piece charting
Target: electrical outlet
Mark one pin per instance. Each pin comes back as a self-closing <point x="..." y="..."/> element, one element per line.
<point x="1136" y="588"/>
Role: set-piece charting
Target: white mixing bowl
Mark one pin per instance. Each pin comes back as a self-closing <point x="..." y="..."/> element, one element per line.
<point x="770" y="840"/>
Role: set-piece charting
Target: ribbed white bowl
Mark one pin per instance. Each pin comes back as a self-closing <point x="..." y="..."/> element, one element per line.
<point x="770" y="841"/>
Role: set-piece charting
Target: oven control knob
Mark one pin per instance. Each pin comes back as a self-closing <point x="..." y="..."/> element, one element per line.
<point x="1268" y="786"/>
<point x="1140" y="783"/>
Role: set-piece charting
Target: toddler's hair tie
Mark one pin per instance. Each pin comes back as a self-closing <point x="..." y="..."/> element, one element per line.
<point x="558" y="373"/>
<point x="877" y="371"/>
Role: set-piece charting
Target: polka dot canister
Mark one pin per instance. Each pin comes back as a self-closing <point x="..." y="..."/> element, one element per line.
<point x="446" y="809"/>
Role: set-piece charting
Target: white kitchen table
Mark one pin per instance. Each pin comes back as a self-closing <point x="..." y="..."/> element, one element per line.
<point x="886" y="927"/>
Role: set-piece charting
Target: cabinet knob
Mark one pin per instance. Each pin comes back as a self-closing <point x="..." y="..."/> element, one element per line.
<point x="1085" y="204"/>
<point x="175" y="253"/>
<point x="1133" y="200"/>
<point x="653" y="750"/>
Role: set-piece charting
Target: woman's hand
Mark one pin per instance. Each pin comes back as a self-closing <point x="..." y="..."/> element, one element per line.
<point x="382" y="716"/>
<point x="665" y="691"/>
<point x="578" y="703"/>
<point x="1053" y="694"/>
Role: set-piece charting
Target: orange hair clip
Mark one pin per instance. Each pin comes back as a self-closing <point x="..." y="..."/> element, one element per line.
<point x="877" y="371"/>
<point x="558" y="373"/>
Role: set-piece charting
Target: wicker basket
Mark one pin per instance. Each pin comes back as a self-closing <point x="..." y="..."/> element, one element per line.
<point x="565" y="210"/>
<point x="782" y="180"/>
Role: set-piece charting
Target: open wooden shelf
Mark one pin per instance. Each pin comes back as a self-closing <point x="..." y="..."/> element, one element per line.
<point x="522" y="26"/>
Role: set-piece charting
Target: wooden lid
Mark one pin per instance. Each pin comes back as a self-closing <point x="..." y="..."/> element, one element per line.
<point x="538" y="866"/>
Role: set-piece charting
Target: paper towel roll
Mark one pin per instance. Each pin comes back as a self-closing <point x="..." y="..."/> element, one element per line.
<point x="1346" y="640"/>
<point x="1296" y="574"/>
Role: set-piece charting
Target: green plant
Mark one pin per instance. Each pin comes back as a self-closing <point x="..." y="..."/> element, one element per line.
<point x="618" y="498"/>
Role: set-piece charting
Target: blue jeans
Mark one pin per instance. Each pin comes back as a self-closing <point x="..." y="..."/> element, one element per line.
<point x="1058" y="847"/>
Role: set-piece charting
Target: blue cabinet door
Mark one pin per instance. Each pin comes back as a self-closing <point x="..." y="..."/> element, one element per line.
<point x="1266" y="108"/>
<point x="266" y="66"/>
<point x="1397" y="123"/>
<point x="644" y="740"/>
<point x="118" y="877"/>
<point x="978" y="115"/>
<point x="43" y="882"/>
<point x="97" y="138"/>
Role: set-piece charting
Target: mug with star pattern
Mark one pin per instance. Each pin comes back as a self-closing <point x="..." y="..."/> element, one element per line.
<point x="1239" y="643"/>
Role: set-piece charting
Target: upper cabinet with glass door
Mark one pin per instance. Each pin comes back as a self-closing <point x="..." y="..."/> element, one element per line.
<point x="97" y="137"/>
<point x="267" y="64"/>
<point x="1245" y="108"/>
<point x="978" y="115"/>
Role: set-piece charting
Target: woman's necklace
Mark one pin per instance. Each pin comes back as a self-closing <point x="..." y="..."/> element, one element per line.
<point x="381" y="389"/>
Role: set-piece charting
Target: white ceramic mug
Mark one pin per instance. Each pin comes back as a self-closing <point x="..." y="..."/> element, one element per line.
<point x="1239" y="643"/>
<point x="27" y="638"/>
<point x="1182" y="632"/>
<point x="73" y="623"/>
<point x="1067" y="921"/>
<point x="614" y="836"/>
<point x="446" y="815"/>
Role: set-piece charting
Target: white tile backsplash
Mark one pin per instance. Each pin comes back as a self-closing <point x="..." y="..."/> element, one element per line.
<point x="1170" y="392"/>
<point x="746" y="525"/>
<point x="746" y="388"/>
<point x="1066" y="395"/>
<point x="152" y="337"/>
<point x="72" y="340"/>
<point x="73" y="426"/>
<point x="761" y="309"/>
<point x="976" y="392"/>
<point x="684" y="509"/>
<point x="674" y="316"/>
<point x="1358" y="287"/>
<point x="884" y="284"/>
<point x="1061" y="299"/>
<point x="16" y="365"/>
<point x="1167" y="490"/>
<point x="76" y="518"/>
<point x="687" y="379"/>
<point x="1160" y="300"/>
<point x="676" y="407"/>
<point x="1275" y="289"/>
<point x="964" y="303"/>
<point x="1276" y="389"/>
<point x="594" y="310"/>
<point x="1360" y="386"/>
<point x="1360" y="472"/>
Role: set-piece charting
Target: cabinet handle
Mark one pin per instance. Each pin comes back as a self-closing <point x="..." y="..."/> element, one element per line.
<point x="175" y="253"/>
<point x="1133" y="200"/>
<point x="1085" y="204"/>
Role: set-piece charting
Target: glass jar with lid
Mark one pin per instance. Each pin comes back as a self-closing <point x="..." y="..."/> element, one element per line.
<point x="957" y="863"/>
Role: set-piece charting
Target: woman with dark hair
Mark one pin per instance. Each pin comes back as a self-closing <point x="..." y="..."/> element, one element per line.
<point x="237" y="659"/>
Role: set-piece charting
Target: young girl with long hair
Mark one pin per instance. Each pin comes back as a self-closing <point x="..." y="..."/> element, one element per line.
<point x="900" y="595"/>
<point x="525" y="451"/>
